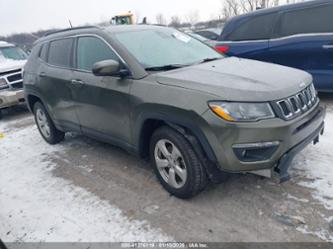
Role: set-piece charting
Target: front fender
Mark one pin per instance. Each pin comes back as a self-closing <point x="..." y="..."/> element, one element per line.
<point x="189" y="120"/>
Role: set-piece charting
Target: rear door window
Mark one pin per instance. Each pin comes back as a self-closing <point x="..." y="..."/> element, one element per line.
<point x="43" y="52"/>
<point x="307" y="21"/>
<point x="257" y="28"/>
<point x="91" y="50"/>
<point x="60" y="52"/>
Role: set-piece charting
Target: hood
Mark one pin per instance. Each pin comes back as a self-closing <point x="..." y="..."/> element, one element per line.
<point x="236" y="79"/>
<point x="9" y="65"/>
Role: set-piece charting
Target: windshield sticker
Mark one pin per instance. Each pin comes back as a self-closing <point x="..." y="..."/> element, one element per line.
<point x="182" y="37"/>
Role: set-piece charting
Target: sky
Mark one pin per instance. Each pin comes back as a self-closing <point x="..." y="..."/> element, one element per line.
<point x="32" y="15"/>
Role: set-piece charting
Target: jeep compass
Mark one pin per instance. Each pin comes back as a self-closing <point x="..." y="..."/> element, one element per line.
<point x="160" y="94"/>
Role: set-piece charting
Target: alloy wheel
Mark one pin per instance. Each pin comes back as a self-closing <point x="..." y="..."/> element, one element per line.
<point x="43" y="123"/>
<point x="170" y="163"/>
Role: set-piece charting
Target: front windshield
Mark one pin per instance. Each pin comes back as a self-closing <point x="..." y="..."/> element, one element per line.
<point x="165" y="46"/>
<point x="121" y="20"/>
<point x="13" y="53"/>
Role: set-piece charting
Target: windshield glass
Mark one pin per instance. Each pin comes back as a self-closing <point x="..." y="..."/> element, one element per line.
<point x="123" y="20"/>
<point x="13" y="53"/>
<point x="199" y="37"/>
<point x="165" y="46"/>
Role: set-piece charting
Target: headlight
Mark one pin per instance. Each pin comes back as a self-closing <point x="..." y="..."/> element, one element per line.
<point x="233" y="111"/>
<point x="3" y="83"/>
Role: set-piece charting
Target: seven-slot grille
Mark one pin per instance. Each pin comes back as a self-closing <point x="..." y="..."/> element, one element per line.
<point x="295" y="105"/>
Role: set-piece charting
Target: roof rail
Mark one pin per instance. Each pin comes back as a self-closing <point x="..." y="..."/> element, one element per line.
<point x="69" y="29"/>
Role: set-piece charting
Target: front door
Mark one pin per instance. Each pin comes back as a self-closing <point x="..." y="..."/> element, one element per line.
<point x="102" y="102"/>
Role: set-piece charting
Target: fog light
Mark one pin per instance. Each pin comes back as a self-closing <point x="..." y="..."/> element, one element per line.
<point x="255" y="152"/>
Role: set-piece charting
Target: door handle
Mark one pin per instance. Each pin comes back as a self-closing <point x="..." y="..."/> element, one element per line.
<point x="42" y="74"/>
<point x="329" y="46"/>
<point x="77" y="82"/>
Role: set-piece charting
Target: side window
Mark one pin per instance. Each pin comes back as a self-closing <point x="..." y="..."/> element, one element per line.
<point x="60" y="52"/>
<point x="42" y="52"/>
<point x="311" y="20"/>
<point x="209" y="35"/>
<point x="91" y="50"/>
<point x="257" y="28"/>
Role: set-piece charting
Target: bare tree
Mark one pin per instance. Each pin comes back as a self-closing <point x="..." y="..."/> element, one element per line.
<point x="269" y="3"/>
<point x="176" y="21"/>
<point x="160" y="19"/>
<point x="232" y="8"/>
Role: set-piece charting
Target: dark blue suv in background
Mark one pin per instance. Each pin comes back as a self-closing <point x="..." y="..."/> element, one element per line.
<point x="297" y="35"/>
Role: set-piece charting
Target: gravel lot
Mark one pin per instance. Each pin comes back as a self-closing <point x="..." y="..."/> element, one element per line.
<point x="84" y="190"/>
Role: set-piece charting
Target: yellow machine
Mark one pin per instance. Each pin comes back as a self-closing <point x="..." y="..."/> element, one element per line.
<point x="123" y="19"/>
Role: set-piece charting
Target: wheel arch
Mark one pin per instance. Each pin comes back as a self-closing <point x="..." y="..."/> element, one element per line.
<point x="32" y="100"/>
<point x="150" y="122"/>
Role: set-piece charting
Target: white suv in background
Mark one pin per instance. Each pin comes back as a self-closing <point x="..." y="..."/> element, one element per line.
<point x="12" y="60"/>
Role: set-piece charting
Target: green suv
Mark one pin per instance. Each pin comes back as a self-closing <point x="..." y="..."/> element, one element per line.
<point x="160" y="94"/>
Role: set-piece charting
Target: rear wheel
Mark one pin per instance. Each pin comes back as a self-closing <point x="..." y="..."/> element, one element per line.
<point x="45" y="125"/>
<point x="176" y="165"/>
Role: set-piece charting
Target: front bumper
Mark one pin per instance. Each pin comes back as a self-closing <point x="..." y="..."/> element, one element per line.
<point x="11" y="98"/>
<point x="291" y="137"/>
<point x="286" y="160"/>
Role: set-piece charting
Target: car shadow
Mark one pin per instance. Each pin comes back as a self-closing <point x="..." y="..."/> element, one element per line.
<point x="15" y="112"/>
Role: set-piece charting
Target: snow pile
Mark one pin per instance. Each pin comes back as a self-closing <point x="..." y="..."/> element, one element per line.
<point x="315" y="163"/>
<point x="36" y="206"/>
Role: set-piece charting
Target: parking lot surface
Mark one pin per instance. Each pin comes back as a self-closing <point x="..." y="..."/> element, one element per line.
<point x="84" y="190"/>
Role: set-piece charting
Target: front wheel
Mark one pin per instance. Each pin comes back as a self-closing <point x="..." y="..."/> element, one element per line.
<point x="176" y="164"/>
<point x="45" y="125"/>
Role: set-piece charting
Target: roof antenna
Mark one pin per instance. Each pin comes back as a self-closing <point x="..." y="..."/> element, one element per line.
<point x="70" y="23"/>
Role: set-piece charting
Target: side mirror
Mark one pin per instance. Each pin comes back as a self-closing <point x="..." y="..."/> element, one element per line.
<point x="109" y="68"/>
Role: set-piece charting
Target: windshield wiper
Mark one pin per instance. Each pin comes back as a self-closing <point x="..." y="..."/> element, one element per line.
<point x="165" y="67"/>
<point x="209" y="59"/>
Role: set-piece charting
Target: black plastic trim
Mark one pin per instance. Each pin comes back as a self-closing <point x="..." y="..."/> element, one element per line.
<point x="286" y="160"/>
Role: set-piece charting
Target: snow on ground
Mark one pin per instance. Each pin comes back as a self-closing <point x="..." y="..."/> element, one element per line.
<point x="36" y="206"/>
<point x="315" y="164"/>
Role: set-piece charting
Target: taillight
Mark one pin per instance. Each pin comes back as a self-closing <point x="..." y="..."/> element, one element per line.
<point x="222" y="49"/>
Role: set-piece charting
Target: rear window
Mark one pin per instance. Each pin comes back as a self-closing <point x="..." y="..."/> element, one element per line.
<point x="310" y="20"/>
<point x="257" y="28"/>
<point x="60" y="52"/>
<point x="42" y="52"/>
<point x="208" y="34"/>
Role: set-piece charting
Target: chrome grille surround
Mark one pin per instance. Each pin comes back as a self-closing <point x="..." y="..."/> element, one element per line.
<point x="294" y="106"/>
<point x="13" y="78"/>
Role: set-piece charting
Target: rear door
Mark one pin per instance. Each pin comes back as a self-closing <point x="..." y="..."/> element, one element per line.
<point x="102" y="103"/>
<point x="305" y="41"/>
<point x="55" y="82"/>
<point x="250" y="38"/>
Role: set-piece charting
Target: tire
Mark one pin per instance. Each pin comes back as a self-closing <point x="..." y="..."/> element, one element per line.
<point x="176" y="164"/>
<point x="46" y="126"/>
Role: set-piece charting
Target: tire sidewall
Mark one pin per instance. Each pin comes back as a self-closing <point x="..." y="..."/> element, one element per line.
<point x="52" y="138"/>
<point x="183" y="146"/>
